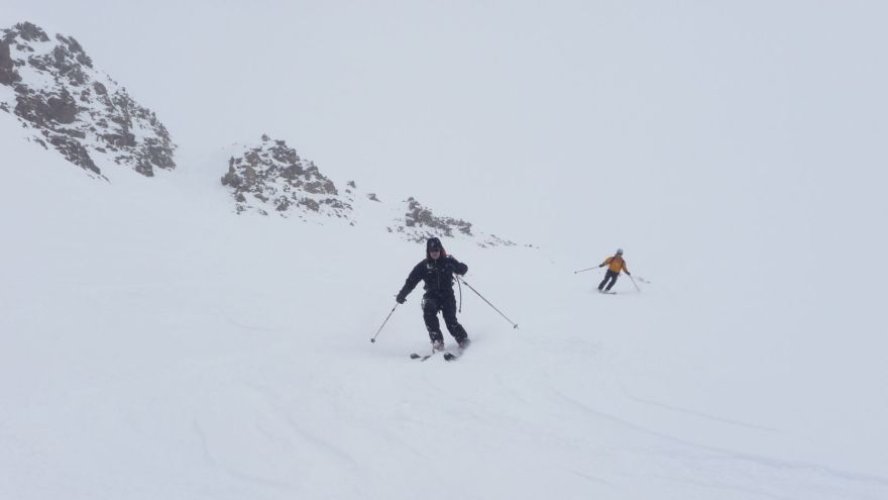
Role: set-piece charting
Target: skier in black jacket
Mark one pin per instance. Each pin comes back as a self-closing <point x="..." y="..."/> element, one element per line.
<point x="437" y="270"/>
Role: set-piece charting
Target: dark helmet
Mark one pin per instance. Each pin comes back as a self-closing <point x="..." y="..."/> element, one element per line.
<point x="619" y="251"/>
<point x="433" y="244"/>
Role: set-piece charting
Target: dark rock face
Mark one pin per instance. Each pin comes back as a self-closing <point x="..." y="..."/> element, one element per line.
<point x="82" y="113"/>
<point x="272" y="176"/>
<point x="8" y="75"/>
<point x="31" y="33"/>
<point x="74" y="152"/>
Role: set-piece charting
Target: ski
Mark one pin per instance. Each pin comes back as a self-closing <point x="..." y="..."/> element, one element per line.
<point x="448" y="355"/>
<point x="422" y="357"/>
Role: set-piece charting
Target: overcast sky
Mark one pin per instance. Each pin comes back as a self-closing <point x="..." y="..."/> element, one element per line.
<point x="517" y="114"/>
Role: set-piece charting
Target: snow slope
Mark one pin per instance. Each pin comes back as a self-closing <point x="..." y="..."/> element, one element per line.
<point x="176" y="350"/>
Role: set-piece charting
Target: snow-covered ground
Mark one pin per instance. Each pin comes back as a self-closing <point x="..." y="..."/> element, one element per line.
<point x="155" y="345"/>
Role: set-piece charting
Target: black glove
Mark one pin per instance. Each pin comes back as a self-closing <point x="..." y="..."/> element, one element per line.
<point x="400" y="299"/>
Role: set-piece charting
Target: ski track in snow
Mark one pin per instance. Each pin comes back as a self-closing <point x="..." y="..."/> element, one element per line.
<point x="693" y="413"/>
<point x="712" y="454"/>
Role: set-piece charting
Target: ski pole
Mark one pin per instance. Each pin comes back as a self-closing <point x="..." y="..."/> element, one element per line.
<point x="584" y="270"/>
<point x="634" y="283"/>
<point x="373" y="339"/>
<point x="514" y="325"/>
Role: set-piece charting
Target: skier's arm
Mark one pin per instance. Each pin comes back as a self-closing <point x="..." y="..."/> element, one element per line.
<point x="606" y="262"/>
<point x="626" y="269"/>
<point x="458" y="267"/>
<point x="412" y="280"/>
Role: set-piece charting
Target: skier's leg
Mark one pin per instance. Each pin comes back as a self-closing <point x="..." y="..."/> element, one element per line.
<point x="430" y="309"/>
<point x="603" y="281"/>
<point x="448" y="306"/>
<point x="613" y="280"/>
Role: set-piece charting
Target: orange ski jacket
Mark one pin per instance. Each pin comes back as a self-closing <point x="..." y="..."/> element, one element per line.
<point x="615" y="264"/>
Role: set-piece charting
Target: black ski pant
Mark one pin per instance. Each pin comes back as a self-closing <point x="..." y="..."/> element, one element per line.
<point x="609" y="276"/>
<point x="431" y="304"/>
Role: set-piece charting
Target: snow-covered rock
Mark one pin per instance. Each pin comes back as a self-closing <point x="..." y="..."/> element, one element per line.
<point x="50" y="84"/>
<point x="416" y="222"/>
<point x="272" y="177"/>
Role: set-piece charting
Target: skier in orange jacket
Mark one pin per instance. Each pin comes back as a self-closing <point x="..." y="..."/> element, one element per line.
<point x="614" y="264"/>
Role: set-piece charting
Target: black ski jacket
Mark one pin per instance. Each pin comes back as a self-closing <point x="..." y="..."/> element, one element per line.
<point x="437" y="275"/>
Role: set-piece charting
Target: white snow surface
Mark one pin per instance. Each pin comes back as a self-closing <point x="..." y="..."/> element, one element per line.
<point x="175" y="350"/>
<point x="154" y="345"/>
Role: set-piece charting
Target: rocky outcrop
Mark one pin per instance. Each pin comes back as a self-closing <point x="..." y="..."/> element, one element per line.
<point x="273" y="177"/>
<point x="419" y="223"/>
<point x="76" y="110"/>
